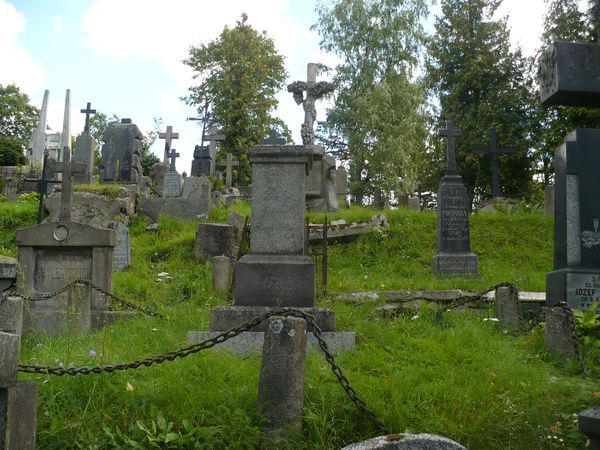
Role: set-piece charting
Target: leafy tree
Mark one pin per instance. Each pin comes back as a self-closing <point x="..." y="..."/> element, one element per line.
<point x="481" y="84"/>
<point x="17" y="120"/>
<point x="240" y="73"/>
<point x="377" y="121"/>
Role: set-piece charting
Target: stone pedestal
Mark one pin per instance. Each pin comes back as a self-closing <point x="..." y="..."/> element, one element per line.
<point x="215" y="239"/>
<point x="576" y="275"/>
<point x="453" y="257"/>
<point x="589" y="424"/>
<point x="8" y="273"/>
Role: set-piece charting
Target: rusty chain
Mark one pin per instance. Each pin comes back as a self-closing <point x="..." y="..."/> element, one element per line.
<point x="208" y="343"/>
<point x="66" y="287"/>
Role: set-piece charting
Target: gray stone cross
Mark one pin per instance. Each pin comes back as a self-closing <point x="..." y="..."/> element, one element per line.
<point x="229" y="164"/>
<point x="87" y="111"/>
<point x="494" y="150"/>
<point x="173" y="155"/>
<point x="212" y="139"/>
<point x="450" y="132"/>
<point x="168" y="136"/>
<point x="314" y="91"/>
<point x="274" y="139"/>
<point x="67" y="168"/>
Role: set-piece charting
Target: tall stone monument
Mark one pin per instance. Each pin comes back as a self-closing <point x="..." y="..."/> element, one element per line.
<point x="454" y="256"/>
<point x="65" y="136"/>
<point x="493" y="150"/>
<point x="39" y="138"/>
<point x="121" y="153"/>
<point x="85" y="148"/>
<point x="569" y="75"/>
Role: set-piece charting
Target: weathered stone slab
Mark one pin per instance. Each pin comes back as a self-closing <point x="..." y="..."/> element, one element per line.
<point x="250" y="343"/>
<point x="215" y="239"/>
<point x="561" y="338"/>
<point x="407" y="442"/>
<point x="157" y="175"/>
<point x="172" y="185"/>
<point x="8" y="272"/>
<point x="196" y="188"/>
<point x="85" y="147"/>
<point x="568" y="74"/>
<point x="589" y="424"/>
<point x="11" y="315"/>
<point x="122" y="251"/>
<point x="224" y="318"/>
<point x="549" y="200"/>
<point x="180" y="208"/>
<point x="281" y="382"/>
<point x="121" y="153"/>
<point x="10" y="349"/>
<point x="18" y="415"/>
<point x="454" y="264"/>
<point x="275" y="280"/>
<point x="221" y="273"/>
<point x="508" y="308"/>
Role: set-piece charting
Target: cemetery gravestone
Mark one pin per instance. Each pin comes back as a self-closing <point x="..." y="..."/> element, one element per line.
<point x="494" y="150"/>
<point x="85" y="148"/>
<point x="203" y="164"/>
<point x="453" y="257"/>
<point x="569" y="76"/>
<point x="122" y="251"/>
<point x="8" y="273"/>
<point x="168" y="136"/>
<point x="53" y="254"/>
<point x="212" y="139"/>
<point x="229" y="164"/>
<point x="341" y="185"/>
<point x="121" y="153"/>
<point x="39" y="138"/>
<point x="172" y="180"/>
<point x="157" y="177"/>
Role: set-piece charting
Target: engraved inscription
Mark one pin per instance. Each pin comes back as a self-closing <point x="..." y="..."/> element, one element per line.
<point x="54" y="269"/>
<point x="582" y="290"/>
<point x="454" y="219"/>
<point x="172" y="185"/>
<point x="456" y="265"/>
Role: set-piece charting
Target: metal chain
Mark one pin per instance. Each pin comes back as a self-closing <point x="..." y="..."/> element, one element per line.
<point x="220" y="338"/>
<point x="43" y="297"/>
<point x="478" y="297"/>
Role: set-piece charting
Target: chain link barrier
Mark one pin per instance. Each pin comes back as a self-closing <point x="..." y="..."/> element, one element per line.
<point x="65" y="288"/>
<point x="208" y="343"/>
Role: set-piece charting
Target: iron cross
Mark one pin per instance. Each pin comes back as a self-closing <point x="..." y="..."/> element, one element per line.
<point x="494" y="150"/>
<point x="87" y="111"/>
<point x="168" y="136"/>
<point x="450" y="132"/>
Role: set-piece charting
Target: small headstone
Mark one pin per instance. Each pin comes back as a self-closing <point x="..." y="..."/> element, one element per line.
<point x="561" y="337"/>
<point x="196" y="188"/>
<point x="407" y="442"/>
<point x="508" y="308"/>
<point x="157" y="176"/>
<point x="221" y="272"/>
<point x="216" y="199"/>
<point x="122" y="251"/>
<point x="453" y="257"/>
<point x="172" y="185"/>
<point x="281" y="382"/>
<point x="85" y="148"/>
<point x="236" y="220"/>
<point x="215" y="239"/>
<point x="414" y="203"/>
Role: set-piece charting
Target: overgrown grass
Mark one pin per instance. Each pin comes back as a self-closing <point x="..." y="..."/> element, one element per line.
<point x="109" y="190"/>
<point x="462" y="377"/>
<point x="15" y="215"/>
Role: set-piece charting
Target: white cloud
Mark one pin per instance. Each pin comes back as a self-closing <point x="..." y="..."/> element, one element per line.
<point x="59" y="27"/>
<point x="18" y="67"/>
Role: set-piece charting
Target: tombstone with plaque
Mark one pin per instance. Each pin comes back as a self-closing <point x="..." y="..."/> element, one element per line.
<point x="172" y="179"/>
<point x="454" y="256"/>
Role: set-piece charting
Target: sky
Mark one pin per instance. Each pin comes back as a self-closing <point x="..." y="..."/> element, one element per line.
<point x="125" y="56"/>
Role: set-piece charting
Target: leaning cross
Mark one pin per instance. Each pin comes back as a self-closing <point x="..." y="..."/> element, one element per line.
<point x="314" y="91"/>
<point x="230" y="162"/>
<point x="494" y="150"/>
<point x="273" y="139"/>
<point x="450" y="132"/>
<point x="212" y="139"/>
<point x="168" y="136"/>
<point x="173" y="155"/>
<point x="67" y="168"/>
<point x="87" y="111"/>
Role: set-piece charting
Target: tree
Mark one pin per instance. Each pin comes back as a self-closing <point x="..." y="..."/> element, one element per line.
<point x="240" y="73"/>
<point x="481" y="84"/>
<point x="17" y="120"/>
<point x="377" y="122"/>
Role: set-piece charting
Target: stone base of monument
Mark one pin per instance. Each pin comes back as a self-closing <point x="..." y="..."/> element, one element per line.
<point x="275" y="280"/>
<point x="578" y="287"/>
<point x="8" y="272"/>
<point x="180" y="208"/>
<point x="225" y="318"/>
<point x="18" y="411"/>
<point x="454" y="264"/>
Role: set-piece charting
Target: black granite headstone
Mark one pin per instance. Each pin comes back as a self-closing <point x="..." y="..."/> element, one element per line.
<point x="453" y="257"/>
<point x="203" y="163"/>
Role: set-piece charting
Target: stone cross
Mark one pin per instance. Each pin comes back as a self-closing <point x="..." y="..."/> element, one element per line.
<point x="450" y="132"/>
<point x="87" y="111"/>
<point x="67" y="168"/>
<point x="230" y="162"/>
<point x="314" y="91"/>
<point x="494" y="150"/>
<point x="212" y="139"/>
<point x="173" y="155"/>
<point x="273" y="139"/>
<point x="168" y="136"/>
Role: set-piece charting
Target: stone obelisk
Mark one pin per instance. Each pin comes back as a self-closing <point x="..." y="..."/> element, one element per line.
<point x="65" y="136"/>
<point x="39" y="139"/>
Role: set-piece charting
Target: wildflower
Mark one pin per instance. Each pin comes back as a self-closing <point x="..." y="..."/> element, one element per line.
<point x="128" y="387"/>
<point x="490" y="319"/>
<point x="92" y="354"/>
<point x="38" y="346"/>
<point x="162" y="274"/>
<point x="382" y="285"/>
<point x="415" y="317"/>
<point x="154" y="329"/>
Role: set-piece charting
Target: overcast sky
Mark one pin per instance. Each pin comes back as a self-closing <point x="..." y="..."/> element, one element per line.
<point x="124" y="56"/>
